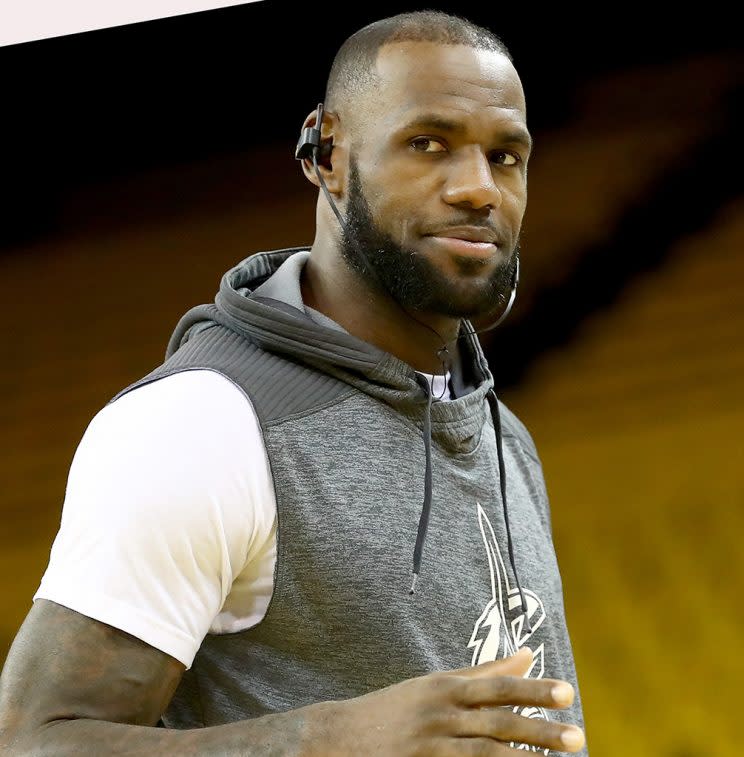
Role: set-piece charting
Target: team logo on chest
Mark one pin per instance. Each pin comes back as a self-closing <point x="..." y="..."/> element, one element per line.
<point x="501" y="631"/>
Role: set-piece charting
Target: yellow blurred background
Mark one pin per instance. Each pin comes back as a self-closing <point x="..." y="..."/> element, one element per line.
<point x="638" y="417"/>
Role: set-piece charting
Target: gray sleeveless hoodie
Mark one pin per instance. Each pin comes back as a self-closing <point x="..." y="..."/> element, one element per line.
<point x="375" y="480"/>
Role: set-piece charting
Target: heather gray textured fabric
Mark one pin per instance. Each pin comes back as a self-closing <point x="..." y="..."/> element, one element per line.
<point x="342" y="422"/>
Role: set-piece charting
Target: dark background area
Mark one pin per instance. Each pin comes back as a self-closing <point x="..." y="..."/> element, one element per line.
<point x="88" y="107"/>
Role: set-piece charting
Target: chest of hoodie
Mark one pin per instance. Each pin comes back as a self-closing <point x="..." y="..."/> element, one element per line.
<point x="349" y="482"/>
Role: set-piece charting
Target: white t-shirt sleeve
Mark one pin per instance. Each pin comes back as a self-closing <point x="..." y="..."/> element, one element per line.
<point x="169" y="497"/>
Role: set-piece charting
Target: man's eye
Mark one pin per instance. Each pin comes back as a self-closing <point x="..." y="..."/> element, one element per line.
<point x="424" y="144"/>
<point x="505" y="158"/>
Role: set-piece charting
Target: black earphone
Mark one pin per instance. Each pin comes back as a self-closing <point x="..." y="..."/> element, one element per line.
<point x="310" y="139"/>
<point x="310" y="146"/>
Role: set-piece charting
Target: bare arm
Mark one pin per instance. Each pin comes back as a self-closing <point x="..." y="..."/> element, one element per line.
<point x="74" y="686"/>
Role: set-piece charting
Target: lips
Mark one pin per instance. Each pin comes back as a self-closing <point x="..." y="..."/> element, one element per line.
<point x="468" y="234"/>
<point x="465" y="247"/>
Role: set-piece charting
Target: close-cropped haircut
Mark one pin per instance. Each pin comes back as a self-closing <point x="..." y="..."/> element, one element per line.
<point x="353" y="70"/>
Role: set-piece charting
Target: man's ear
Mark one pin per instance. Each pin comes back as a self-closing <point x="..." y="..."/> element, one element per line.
<point x="330" y="157"/>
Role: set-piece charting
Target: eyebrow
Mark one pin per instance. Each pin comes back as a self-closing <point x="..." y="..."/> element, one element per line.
<point x="440" y="123"/>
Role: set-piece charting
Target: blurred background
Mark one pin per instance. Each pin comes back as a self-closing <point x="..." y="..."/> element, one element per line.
<point x="139" y="163"/>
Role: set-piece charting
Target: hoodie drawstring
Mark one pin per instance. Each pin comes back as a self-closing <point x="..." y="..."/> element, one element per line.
<point x="496" y="415"/>
<point x="426" y="508"/>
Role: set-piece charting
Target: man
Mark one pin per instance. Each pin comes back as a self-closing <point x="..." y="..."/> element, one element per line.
<point x="244" y="556"/>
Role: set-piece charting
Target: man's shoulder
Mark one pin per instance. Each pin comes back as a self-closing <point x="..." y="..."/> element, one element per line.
<point x="180" y="408"/>
<point x="276" y="386"/>
<point x="511" y="425"/>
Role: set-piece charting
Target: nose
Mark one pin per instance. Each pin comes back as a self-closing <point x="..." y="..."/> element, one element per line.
<point x="470" y="182"/>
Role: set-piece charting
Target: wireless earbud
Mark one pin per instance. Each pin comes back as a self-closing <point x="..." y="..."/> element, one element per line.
<point x="310" y="140"/>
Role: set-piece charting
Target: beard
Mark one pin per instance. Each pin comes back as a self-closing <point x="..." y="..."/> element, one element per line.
<point x="411" y="278"/>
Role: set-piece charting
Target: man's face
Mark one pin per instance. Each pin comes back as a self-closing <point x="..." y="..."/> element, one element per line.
<point x="437" y="182"/>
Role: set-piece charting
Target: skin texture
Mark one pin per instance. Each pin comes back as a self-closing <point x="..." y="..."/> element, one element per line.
<point x="74" y="686"/>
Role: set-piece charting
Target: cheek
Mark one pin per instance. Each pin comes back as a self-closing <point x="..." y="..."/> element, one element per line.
<point x="412" y="203"/>
<point x="394" y="220"/>
<point x="515" y="197"/>
<point x="392" y="211"/>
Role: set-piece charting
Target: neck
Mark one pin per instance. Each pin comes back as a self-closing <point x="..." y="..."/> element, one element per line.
<point x="331" y="287"/>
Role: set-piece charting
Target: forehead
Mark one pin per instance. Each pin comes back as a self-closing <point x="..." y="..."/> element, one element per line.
<point x="431" y="76"/>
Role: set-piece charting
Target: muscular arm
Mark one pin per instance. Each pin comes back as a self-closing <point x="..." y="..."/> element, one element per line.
<point x="74" y="686"/>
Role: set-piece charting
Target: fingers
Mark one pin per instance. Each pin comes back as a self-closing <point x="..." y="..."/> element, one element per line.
<point x="485" y="724"/>
<point x="480" y="748"/>
<point x="518" y="664"/>
<point x="507" y="727"/>
<point x="512" y="690"/>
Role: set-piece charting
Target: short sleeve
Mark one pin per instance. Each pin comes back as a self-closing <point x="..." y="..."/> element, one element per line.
<point x="169" y="495"/>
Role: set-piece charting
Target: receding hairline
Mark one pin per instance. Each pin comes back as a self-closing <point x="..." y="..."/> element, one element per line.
<point x="354" y="70"/>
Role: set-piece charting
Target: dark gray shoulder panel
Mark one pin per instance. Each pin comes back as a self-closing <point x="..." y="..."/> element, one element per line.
<point x="278" y="387"/>
<point x="513" y="426"/>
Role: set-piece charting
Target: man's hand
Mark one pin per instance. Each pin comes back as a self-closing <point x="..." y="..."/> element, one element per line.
<point x="455" y="713"/>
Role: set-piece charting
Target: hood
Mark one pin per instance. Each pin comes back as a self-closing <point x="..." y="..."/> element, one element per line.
<point x="269" y="310"/>
<point x="261" y="299"/>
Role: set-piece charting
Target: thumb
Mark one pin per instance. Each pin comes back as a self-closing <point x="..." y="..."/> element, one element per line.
<point x="515" y="665"/>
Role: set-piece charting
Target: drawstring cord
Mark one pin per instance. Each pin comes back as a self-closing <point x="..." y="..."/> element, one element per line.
<point x="426" y="508"/>
<point x="496" y="415"/>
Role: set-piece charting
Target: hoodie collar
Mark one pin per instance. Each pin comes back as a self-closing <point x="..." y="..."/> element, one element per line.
<point x="260" y="297"/>
<point x="284" y="286"/>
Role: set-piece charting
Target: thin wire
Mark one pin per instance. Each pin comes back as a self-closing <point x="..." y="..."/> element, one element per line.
<point x="496" y="415"/>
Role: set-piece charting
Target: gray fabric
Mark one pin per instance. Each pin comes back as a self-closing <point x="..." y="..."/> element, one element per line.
<point x="284" y="286"/>
<point x="342" y="423"/>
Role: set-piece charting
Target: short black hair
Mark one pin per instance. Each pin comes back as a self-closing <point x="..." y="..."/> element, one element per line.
<point x="353" y="68"/>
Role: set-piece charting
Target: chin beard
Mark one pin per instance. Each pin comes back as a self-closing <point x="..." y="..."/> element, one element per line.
<point x="411" y="279"/>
